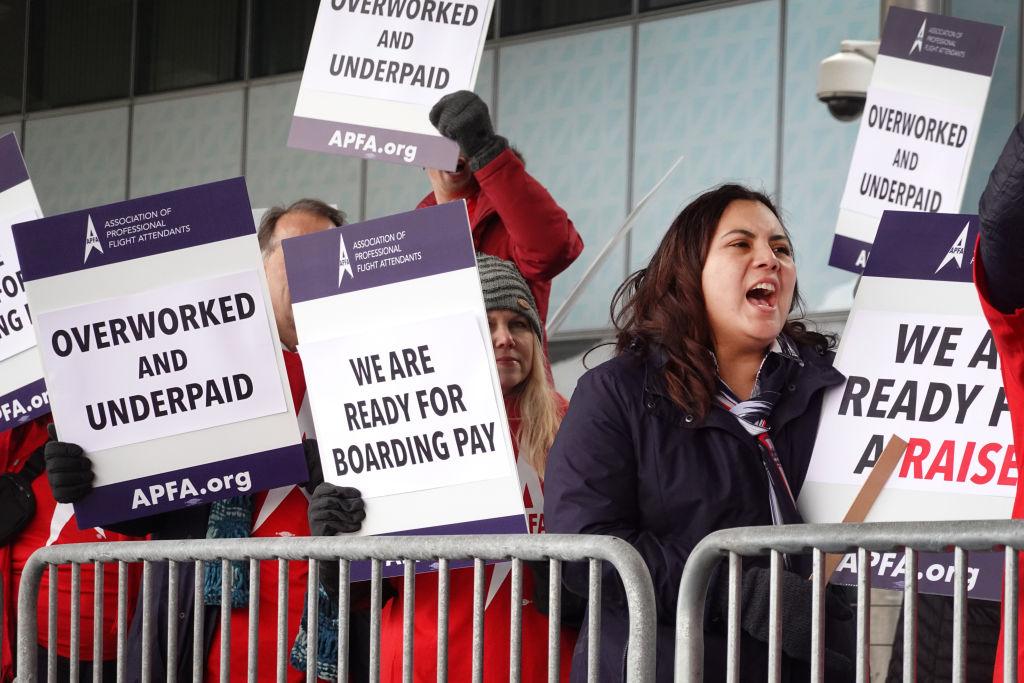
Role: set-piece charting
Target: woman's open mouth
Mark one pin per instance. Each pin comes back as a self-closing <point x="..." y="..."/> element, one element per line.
<point x="763" y="296"/>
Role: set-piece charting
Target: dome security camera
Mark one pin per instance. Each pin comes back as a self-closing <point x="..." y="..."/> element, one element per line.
<point x="843" y="78"/>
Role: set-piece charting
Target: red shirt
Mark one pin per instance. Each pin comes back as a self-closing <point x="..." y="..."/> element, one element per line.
<point x="1007" y="332"/>
<point x="497" y="611"/>
<point x="278" y="512"/>
<point x="54" y="523"/>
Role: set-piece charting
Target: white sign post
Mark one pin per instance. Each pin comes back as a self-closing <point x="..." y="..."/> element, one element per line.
<point x="375" y="69"/>
<point x="919" y="127"/>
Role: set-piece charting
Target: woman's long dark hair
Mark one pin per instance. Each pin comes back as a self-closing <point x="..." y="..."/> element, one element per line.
<point x="663" y="303"/>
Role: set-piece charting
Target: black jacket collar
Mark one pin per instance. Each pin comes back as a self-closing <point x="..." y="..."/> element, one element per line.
<point x="815" y="374"/>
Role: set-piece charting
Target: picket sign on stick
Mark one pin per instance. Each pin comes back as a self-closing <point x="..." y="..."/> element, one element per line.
<point x="874" y="484"/>
<point x="920" y="362"/>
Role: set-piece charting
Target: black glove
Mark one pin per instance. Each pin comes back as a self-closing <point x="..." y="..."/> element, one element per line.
<point x="67" y="469"/>
<point x="334" y="510"/>
<point x="463" y="117"/>
<point x="795" y="615"/>
<point x="313" y="466"/>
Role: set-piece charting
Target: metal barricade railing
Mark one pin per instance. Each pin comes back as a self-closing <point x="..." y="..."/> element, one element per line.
<point x="518" y="548"/>
<point x="818" y="539"/>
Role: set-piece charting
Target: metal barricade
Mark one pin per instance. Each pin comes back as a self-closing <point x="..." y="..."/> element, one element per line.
<point x="518" y="548"/>
<point x="818" y="539"/>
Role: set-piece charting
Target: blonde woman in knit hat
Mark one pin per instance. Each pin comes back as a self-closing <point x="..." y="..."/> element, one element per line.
<point x="535" y="412"/>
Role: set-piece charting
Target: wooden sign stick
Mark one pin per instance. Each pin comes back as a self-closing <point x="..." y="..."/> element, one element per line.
<point x="880" y="473"/>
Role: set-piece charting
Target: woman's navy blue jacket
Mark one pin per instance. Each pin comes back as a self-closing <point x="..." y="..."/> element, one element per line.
<point x="628" y="462"/>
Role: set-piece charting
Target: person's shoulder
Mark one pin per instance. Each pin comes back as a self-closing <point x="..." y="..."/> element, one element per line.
<point x="625" y="372"/>
<point x="818" y="364"/>
<point x="819" y="353"/>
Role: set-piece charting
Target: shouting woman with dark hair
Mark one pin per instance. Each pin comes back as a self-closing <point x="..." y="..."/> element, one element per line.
<point x="704" y="420"/>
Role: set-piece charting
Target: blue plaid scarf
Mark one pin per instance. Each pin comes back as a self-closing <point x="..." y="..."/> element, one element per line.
<point x="753" y="415"/>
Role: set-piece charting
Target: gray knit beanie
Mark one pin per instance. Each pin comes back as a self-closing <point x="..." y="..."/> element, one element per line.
<point x="505" y="289"/>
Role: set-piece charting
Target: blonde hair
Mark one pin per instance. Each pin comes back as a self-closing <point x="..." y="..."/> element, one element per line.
<point x="539" y="412"/>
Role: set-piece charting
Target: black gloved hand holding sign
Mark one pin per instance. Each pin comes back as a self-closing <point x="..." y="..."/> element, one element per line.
<point x="463" y="117"/>
<point x="334" y="510"/>
<point x="67" y="469"/>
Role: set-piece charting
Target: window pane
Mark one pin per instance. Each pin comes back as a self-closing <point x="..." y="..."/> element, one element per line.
<point x="523" y="16"/>
<point x="78" y="51"/>
<point x="12" y="54"/>
<point x="647" y="5"/>
<point x="281" y="30"/>
<point x="185" y="43"/>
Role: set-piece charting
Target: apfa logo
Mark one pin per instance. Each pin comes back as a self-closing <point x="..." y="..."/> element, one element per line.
<point x="343" y="263"/>
<point x="956" y="252"/>
<point x="92" y="240"/>
<point x="919" y="41"/>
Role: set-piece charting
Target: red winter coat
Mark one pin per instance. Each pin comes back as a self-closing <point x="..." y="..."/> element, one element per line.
<point x="516" y="219"/>
<point x="1007" y="332"/>
<point x="497" y="612"/>
<point x="55" y="524"/>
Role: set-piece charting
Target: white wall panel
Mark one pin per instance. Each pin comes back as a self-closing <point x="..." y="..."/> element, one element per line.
<point x="78" y="160"/>
<point x="186" y="141"/>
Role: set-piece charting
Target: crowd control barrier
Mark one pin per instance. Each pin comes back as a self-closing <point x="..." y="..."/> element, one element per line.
<point x="731" y="545"/>
<point x="552" y="548"/>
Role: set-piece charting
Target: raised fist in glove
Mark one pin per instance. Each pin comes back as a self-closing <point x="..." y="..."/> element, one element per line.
<point x="463" y="117"/>
<point x="335" y="510"/>
<point x="67" y="469"/>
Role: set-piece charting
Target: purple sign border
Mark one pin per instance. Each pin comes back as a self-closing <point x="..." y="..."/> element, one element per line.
<point x="846" y="251"/>
<point x="23" y="396"/>
<point x="56" y="245"/>
<point x="912" y="245"/>
<point x="432" y="151"/>
<point x="979" y="41"/>
<point x="513" y="524"/>
<point x="440" y="234"/>
<point x="12" y="164"/>
<point x="267" y="470"/>
<point x="989" y="584"/>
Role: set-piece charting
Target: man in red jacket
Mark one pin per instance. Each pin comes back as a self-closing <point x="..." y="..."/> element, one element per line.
<point x="280" y="512"/>
<point x="512" y="215"/>
<point x="998" y="268"/>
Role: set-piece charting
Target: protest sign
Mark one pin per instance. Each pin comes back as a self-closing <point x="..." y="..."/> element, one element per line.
<point x="400" y="372"/>
<point x="23" y="395"/>
<point x="919" y="126"/>
<point x="159" y="348"/>
<point x="375" y="69"/>
<point x="921" y="364"/>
